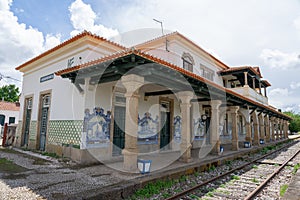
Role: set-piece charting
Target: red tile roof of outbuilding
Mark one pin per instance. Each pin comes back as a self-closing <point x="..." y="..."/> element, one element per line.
<point x="9" y="106"/>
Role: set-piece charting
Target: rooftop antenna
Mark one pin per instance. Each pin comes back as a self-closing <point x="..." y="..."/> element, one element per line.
<point x="2" y="76"/>
<point x="162" y="32"/>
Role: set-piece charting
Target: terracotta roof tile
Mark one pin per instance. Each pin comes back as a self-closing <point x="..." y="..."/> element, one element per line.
<point x="77" y="37"/>
<point x="167" y="64"/>
<point x="255" y="70"/>
<point x="9" y="106"/>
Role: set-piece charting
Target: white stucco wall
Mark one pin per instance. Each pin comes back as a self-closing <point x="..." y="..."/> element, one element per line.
<point x="8" y="114"/>
<point x="174" y="55"/>
<point x="66" y="101"/>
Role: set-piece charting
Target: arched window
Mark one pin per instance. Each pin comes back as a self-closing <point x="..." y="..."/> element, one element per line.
<point x="188" y="61"/>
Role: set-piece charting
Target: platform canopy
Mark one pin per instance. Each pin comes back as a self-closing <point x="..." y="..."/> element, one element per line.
<point x="155" y="70"/>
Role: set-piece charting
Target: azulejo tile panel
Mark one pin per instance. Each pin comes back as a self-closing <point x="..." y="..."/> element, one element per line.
<point x="148" y="129"/>
<point x="177" y="128"/>
<point x="65" y="132"/>
<point x="96" y="128"/>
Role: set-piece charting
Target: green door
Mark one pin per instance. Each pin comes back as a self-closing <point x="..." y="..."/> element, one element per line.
<point x="43" y="128"/>
<point x="44" y="121"/>
<point x="165" y="134"/>
<point x="119" y="130"/>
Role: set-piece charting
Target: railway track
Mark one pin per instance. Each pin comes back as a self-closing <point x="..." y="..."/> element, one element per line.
<point x="245" y="181"/>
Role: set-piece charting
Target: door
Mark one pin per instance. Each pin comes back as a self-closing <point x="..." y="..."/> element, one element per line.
<point x="2" y="120"/>
<point x="165" y="119"/>
<point x="27" y="122"/>
<point x="44" y="121"/>
<point x="119" y="130"/>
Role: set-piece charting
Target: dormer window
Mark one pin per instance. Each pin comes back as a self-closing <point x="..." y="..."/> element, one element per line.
<point x="188" y="61"/>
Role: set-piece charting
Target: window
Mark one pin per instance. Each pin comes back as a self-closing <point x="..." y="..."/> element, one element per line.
<point x="206" y="72"/>
<point x="11" y="120"/>
<point x="188" y="61"/>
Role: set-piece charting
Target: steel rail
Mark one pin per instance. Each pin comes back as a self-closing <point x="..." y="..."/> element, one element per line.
<point x="178" y="195"/>
<point x="270" y="177"/>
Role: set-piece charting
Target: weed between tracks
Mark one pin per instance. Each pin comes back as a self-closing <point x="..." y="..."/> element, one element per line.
<point x="296" y="167"/>
<point x="283" y="189"/>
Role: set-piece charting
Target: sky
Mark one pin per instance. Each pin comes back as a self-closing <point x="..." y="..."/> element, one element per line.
<point x="253" y="32"/>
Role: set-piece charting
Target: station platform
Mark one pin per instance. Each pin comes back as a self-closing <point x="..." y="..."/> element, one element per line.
<point x="104" y="181"/>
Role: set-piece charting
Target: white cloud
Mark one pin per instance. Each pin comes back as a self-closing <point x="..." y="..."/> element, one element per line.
<point x="83" y="18"/>
<point x="280" y="60"/>
<point x="279" y="92"/>
<point x="18" y="42"/>
<point x="295" y="85"/>
<point x="297" y="23"/>
<point x="52" y="40"/>
<point x="284" y="99"/>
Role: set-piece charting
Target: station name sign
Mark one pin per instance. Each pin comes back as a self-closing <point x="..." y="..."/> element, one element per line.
<point x="46" y="78"/>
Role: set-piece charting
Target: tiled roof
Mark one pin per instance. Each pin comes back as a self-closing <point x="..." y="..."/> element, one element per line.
<point x="9" y="106"/>
<point x="255" y="70"/>
<point x="140" y="46"/>
<point x="266" y="82"/>
<point x="167" y="64"/>
<point x="77" y="37"/>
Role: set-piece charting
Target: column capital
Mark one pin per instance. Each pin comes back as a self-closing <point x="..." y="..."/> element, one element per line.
<point x="215" y="104"/>
<point x="234" y="109"/>
<point x="185" y="96"/>
<point x="132" y="83"/>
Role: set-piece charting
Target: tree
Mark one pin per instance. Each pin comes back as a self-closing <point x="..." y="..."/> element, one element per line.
<point x="295" y="122"/>
<point x="9" y="93"/>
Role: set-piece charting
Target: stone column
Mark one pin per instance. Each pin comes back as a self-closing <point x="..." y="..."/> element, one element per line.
<point x="235" y="138"/>
<point x="276" y="129"/>
<point x="253" y="83"/>
<point x="132" y="84"/>
<point x="273" y="128"/>
<point x="185" y="107"/>
<point x="281" y="129"/>
<point x="248" y="132"/>
<point x="261" y="126"/>
<point x="285" y="129"/>
<point x="215" y="126"/>
<point x="267" y="124"/>
<point x="246" y="79"/>
<point x="265" y="91"/>
<point x="255" y="126"/>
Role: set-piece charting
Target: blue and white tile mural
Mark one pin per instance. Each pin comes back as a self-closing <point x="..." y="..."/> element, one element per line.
<point x="177" y="129"/>
<point x="96" y="128"/>
<point x="147" y="129"/>
<point x="199" y="129"/>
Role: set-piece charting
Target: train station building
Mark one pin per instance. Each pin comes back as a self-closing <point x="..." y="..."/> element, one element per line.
<point x="90" y="99"/>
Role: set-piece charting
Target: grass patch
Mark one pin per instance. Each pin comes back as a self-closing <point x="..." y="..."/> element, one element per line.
<point x="235" y="177"/>
<point x="9" y="166"/>
<point x="210" y="194"/>
<point x="254" y="180"/>
<point x="296" y="167"/>
<point x="153" y="188"/>
<point x="194" y="196"/>
<point x="212" y="168"/>
<point x="183" y="178"/>
<point x="254" y="166"/>
<point x="283" y="189"/>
